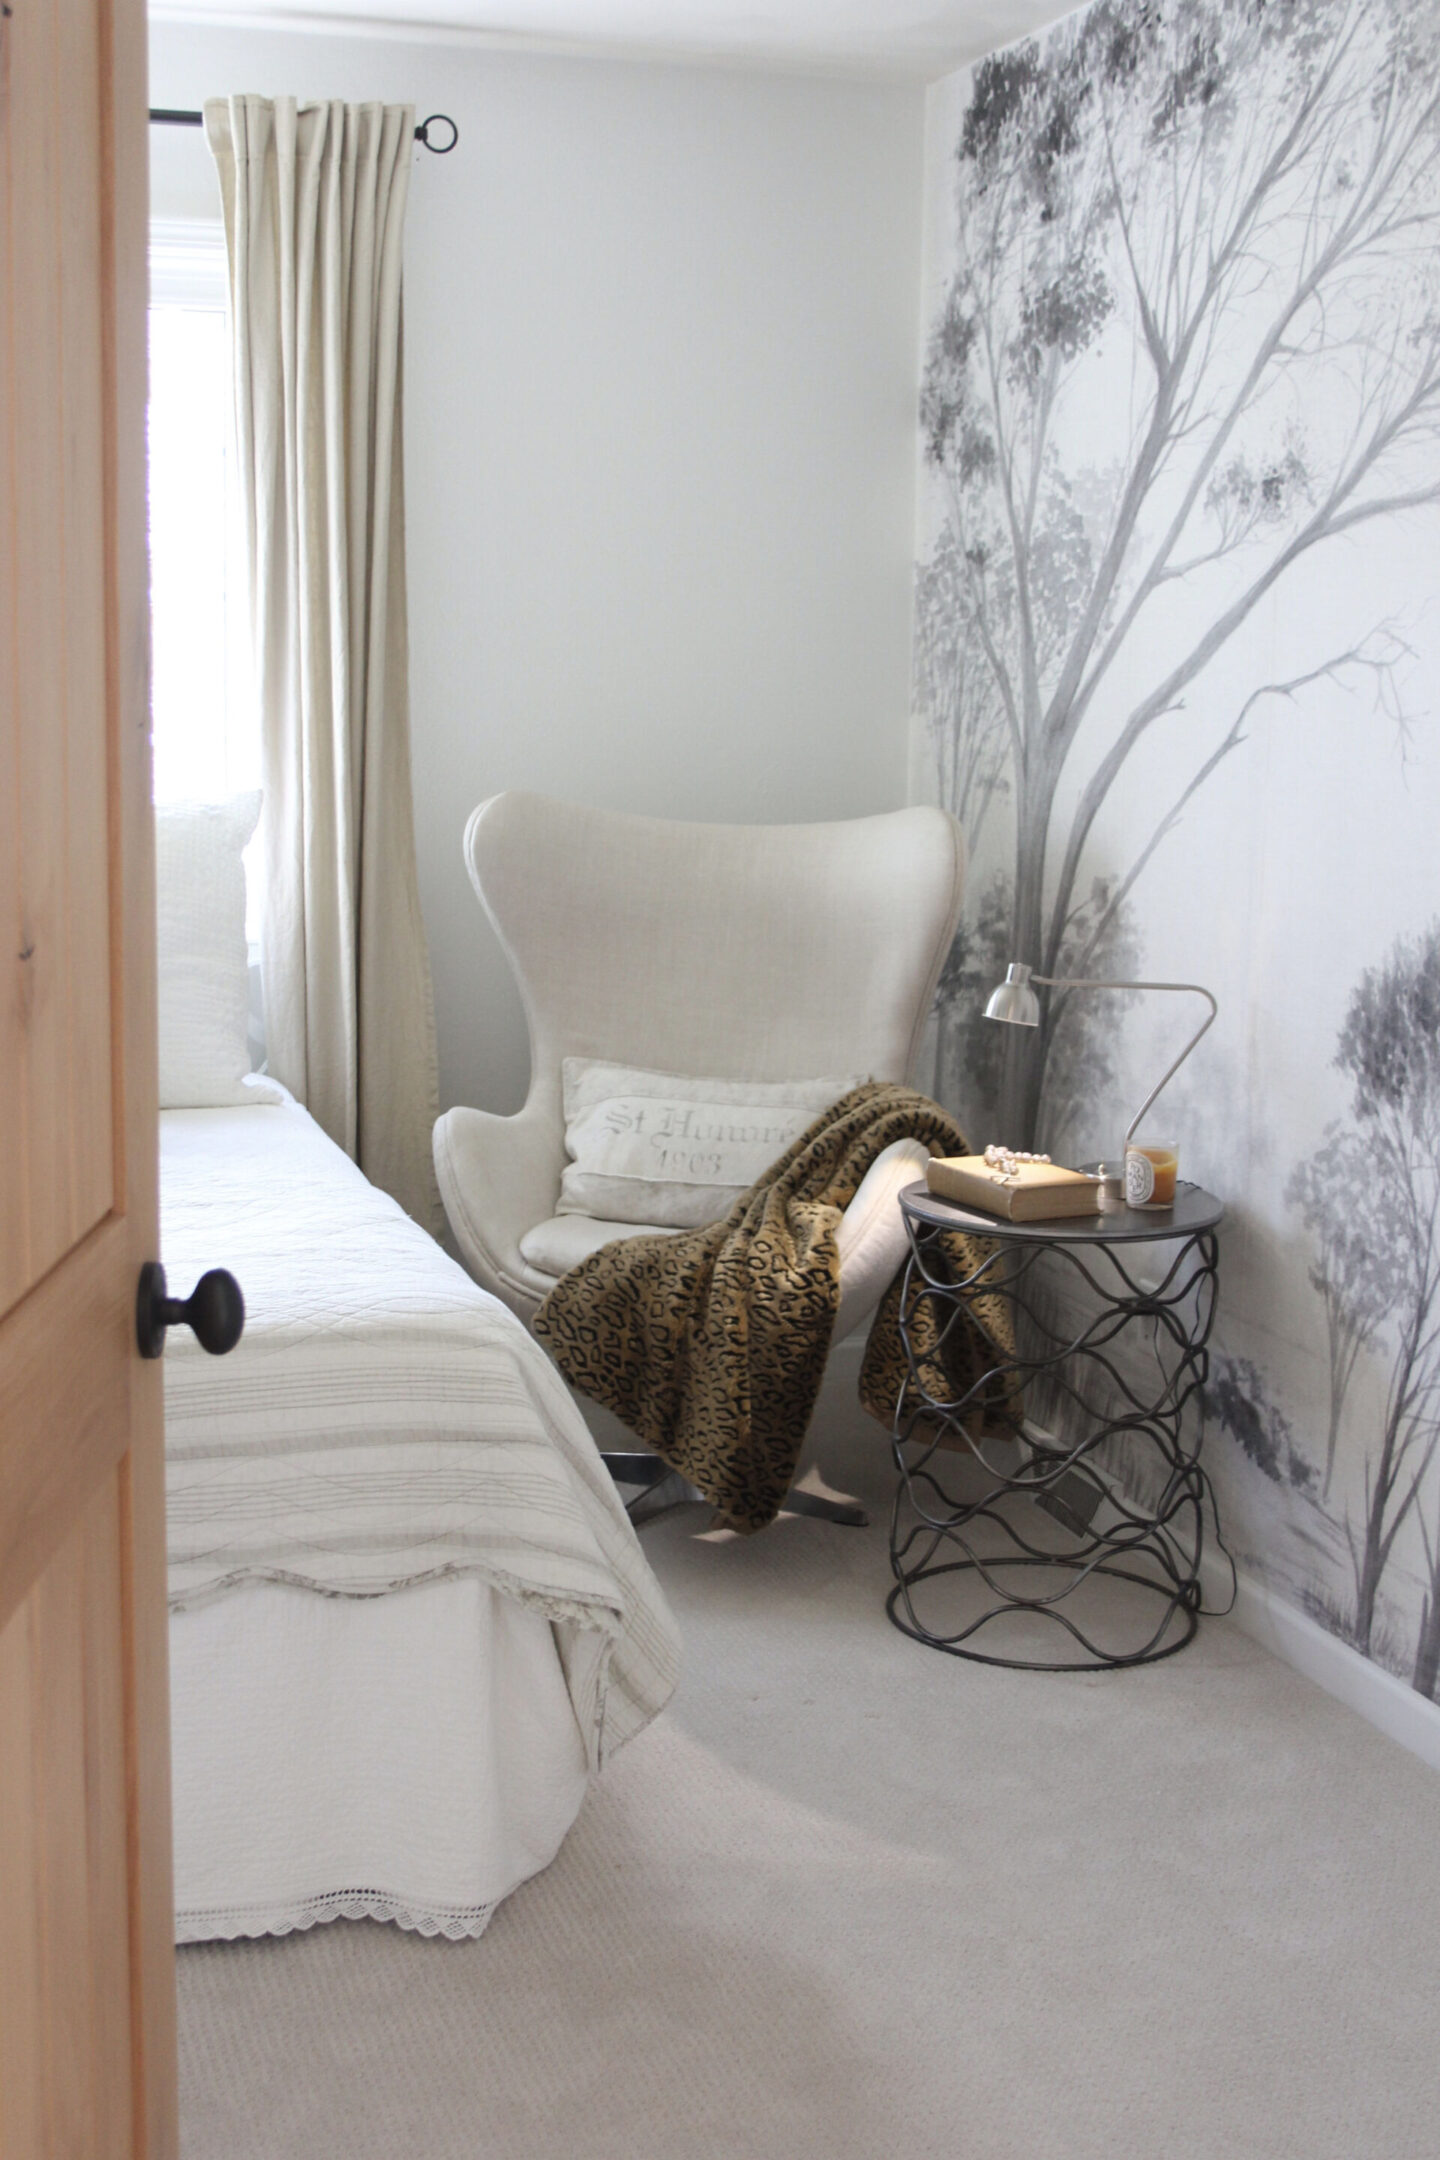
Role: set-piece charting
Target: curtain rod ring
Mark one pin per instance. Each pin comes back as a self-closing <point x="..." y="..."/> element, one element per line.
<point x="422" y="134"/>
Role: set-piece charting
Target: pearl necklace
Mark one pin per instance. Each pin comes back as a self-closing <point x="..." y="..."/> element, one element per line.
<point x="1008" y="1160"/>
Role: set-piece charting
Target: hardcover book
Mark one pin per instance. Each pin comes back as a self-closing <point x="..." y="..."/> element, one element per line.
<point x="1033" y="1192"/>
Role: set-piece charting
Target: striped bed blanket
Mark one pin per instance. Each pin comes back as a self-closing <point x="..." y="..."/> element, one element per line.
<point x="384" y="1421"/>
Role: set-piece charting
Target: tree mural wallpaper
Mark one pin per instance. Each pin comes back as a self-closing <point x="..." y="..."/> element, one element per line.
<point x="1177" y="622"/>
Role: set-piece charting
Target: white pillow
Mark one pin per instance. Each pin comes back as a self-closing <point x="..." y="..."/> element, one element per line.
<point x="654" y="1148"/>
<point x="204" y="976"/>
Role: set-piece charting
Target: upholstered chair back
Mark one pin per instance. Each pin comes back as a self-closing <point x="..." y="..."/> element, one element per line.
<point x="746" y="952"/>
<point x="725" y="952"/>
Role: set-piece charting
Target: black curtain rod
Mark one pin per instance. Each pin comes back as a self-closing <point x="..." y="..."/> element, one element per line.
<point x="164" y="117"/>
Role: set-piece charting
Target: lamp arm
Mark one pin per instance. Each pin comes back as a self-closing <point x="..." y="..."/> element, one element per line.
<point x="1079" y="982"/>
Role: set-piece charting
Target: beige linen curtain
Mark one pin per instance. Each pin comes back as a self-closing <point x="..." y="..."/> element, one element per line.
<point x="314" y="198"/>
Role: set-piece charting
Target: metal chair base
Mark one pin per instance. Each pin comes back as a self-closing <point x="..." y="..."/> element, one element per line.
<point x="640" y="1468"/>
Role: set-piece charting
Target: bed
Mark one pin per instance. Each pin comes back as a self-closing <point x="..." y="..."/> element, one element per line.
<point x="410" y="1620"/>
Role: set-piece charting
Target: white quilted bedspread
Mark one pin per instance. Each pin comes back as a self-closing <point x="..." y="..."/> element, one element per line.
<point x="383" y="1421"/>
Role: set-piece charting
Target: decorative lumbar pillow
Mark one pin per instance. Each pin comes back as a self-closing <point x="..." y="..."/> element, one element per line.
<point x="654" y="1148"/>
<point x="204" y="977"/>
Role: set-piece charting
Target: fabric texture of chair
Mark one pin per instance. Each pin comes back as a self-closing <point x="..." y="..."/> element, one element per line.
<point x="745" y="952"/>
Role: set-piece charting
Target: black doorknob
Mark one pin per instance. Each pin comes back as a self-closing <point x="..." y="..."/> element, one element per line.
<point x="215" y="1309"/>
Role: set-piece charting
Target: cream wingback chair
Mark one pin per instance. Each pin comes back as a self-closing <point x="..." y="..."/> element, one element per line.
<point x="744" y="952"/>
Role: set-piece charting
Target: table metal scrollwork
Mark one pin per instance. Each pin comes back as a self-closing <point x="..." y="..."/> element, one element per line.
<point x="1121" y="1357"/>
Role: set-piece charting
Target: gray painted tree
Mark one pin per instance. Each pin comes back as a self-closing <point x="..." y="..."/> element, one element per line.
<point x="1352" y="1274"/>
<point x="1371" y="1198"/>
<point x="1238" y="197"/>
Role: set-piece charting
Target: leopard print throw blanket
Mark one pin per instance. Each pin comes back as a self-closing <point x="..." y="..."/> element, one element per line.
<point x="711" y="1344"/>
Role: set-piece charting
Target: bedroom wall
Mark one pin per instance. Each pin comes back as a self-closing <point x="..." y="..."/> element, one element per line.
<point x="1177" y="647"/>
<point x="661" y="338"/>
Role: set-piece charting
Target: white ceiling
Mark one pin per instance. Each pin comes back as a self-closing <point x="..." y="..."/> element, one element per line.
<point x="915" y="38"/>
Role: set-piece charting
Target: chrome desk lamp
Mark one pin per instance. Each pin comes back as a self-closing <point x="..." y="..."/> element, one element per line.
<point x="1016" y="1002"/>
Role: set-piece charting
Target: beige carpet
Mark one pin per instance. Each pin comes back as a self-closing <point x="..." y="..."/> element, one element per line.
<point x="852" y="1899"/>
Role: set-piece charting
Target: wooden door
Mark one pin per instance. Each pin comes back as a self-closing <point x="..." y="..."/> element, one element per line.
<point x="86" y="1963"/>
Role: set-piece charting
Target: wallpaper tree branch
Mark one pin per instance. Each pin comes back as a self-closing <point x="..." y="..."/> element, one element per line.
<point x="1175" y="631"/>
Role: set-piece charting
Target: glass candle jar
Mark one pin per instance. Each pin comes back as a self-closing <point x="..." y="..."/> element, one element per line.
<point x="1150" y="1172"/>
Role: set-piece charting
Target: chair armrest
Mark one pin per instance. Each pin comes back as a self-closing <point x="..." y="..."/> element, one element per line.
<point x="498" y="1177"/>
<point x="871" y="1238"/>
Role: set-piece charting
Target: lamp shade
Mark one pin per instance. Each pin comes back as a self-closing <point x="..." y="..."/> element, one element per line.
<point x="1014" y="1000"/>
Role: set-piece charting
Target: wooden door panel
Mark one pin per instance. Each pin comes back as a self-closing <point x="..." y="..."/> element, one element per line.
<point x="60" y="1179"/>
<point x="87" y="2040"/>
<point x="90" y="950"/>
<point x="64" y="1400"/>
<point x="63" y="1883"/>
<point x="22" y="1985"/>
<point x="13" y="1173"/>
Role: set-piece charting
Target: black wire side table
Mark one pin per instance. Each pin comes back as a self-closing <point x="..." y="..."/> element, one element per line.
<point x="1122" y="1367"/>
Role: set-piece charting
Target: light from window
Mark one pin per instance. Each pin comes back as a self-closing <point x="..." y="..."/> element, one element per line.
<point x="206" y="733"/>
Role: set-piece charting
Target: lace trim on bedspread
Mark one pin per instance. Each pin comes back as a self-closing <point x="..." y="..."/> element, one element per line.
<point x="225" y="1923"/>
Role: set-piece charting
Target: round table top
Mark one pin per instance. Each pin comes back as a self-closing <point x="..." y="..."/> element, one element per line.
<point x="1194" y="1210"/>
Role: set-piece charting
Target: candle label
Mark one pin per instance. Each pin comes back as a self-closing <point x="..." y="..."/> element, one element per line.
<point x="1139" y="1178"/>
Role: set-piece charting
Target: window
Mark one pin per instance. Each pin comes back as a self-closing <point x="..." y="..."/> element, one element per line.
<point x="206" y="733"/>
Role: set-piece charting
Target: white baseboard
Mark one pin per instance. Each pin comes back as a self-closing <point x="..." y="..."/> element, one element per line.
<point x="1359" y="1683"/>
<point x="1291" y="1635"/>
<point x="1363" y="1686"/>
